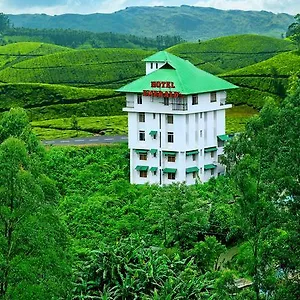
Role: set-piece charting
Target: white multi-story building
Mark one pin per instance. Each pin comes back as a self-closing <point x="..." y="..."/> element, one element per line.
<point x="176" y="122"/>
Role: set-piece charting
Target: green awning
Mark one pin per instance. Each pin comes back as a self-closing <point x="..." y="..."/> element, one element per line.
<point x="153" y="132"/>
<point x="169" y="170"/>
<point x="210" y="149"/>
<point x="192" y="170"/>
<point x="224" y="137"/>
<point x="141" y="168"/>
<point x="152" y="151"/>
<point x="153" y="169"/>
<point x="141" y="151"/>
<point x="209" y="167"/>
<point x="192" y="152"/>
<point x="169" y="153"/>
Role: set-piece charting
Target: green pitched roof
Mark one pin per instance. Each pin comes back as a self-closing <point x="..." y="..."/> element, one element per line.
<point x="187" y="78"/>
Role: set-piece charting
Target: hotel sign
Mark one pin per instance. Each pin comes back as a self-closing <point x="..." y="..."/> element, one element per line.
<point x="162" y="94"/>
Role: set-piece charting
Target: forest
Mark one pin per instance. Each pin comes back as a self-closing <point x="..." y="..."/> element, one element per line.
<point x="72" y="227"/>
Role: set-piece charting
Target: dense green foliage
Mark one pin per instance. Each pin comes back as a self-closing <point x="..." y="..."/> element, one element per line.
<point x="87" y="39"/>
<point x="191" y="23"/>
<point x="293" y="31"/>
<point x="232" y="52"/>
<point x="34" y="255"/>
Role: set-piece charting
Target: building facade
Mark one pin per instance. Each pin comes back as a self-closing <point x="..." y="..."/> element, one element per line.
<point x="176" y="122"/>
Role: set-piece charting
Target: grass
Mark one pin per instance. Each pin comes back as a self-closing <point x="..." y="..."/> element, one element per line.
<point x="236" y="119"/>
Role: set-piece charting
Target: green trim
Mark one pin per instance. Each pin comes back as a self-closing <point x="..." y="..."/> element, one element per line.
<point x="169" y="170"/>
<point x="153" y="151"/>
<point x="153" y="132"/>
<point x="192" y="170"/>
<point x="141" y="168"/>
<point x="141" y="151"/>
<point x="192" y="152"/>
<point x="153" y="169"/>
<point x="209" y="167"/>
<point x="224" y="137"/>
<point x="210" y="149"/>
<point x="169" y="153"/>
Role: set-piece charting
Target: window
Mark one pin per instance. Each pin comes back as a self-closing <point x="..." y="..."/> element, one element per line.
<point x="201" y="133"/>
<point x="154" y="154"/>
<point x="170" y="137"/>
<point x="194" y="99"/>
<point x="154" y="136"/>
<point x="166" y="101"/>
<point x="200" y="170"/>
<point x="143" y="174"/>
<point x="201" y="152"/>
<point x="194" y="156"/>
<point x="201" y="115"/>
<point x="142" y="117"/>
<point x="171" y="158"/>
<point x="194" y="174"/>
<point x="143" y="156"/>
<point x="212" y="154"/>
<point x="171" y="176"/>
<point x="156" y="65"/>
<point x="170" y="119"/>
<point x="139" y="99"/>
<point x="154" y="116"/>
<point x="142" y="135"/>
<point x="154" y="172"/>
<point x="213" y="97"/>
<point x="212" y="172"/>
<point x="151" y="65"/>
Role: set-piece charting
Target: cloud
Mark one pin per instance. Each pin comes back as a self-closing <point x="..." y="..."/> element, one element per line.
<point x="34" y="3"/>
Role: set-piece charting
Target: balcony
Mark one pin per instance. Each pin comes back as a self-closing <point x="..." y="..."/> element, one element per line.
<point x="223" y="101"/>
<point x="179" y="104"/>
<point x="130" y="104"/>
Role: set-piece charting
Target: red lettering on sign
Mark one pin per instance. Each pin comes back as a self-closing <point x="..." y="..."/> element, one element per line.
<point x="163" y="84"/>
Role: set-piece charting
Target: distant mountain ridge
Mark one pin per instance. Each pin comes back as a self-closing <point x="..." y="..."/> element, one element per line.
<point x="189" y="22"/>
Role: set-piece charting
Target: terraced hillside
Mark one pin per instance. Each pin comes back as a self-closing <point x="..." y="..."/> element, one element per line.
<point x="94" y="68"/>
<point x="267" y="78"/>
<point x="13" y="53"/>
<point x="50" y="101"/>
<point x="231" y="52"/>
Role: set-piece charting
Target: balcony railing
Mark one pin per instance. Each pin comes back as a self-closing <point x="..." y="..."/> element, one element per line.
<point x="222" y="101"/>
<point x="179" y="104"/>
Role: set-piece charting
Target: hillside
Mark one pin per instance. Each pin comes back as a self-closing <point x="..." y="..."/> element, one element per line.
<point x="50" y="101"/>
<point x="267" y="78"/>
<point x="191" y="23"/>
<point x="95" y="67"/>
<point x="12" y="53"/>
<point x="231" y="52"/>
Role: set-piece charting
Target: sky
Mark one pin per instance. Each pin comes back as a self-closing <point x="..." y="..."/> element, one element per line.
<point x="58" y="7"/>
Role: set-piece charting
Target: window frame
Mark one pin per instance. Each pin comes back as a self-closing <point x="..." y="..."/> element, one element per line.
<point x="142" y="133"/>
<point x="170" y="119"/>
<point x="143" y="156"/>
<point x="142" y="117"/>
<point x="195" y="99"/>
<point x="143" y="174"/>
<point x="171" y="158"/>
<point x="139" y="99"/>
<point x="213" y="97"/>
<point x="171" y="176"/>
<point x="170" y="137"/>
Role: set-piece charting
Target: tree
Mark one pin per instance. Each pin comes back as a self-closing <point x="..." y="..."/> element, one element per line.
<point x="4" y="22"/>
<point x="264" y="162"/>
<point x="293" y="31"/>
<point x="33" y="242"/>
